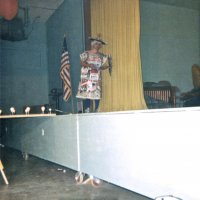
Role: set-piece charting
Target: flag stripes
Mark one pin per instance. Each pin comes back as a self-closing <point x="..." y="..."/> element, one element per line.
<point x="65" y="72"/>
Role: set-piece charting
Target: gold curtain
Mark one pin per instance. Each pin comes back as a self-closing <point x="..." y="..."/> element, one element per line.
<point x="118" y="22"/>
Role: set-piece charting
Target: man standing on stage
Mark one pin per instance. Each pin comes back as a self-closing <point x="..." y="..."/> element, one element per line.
<point x="92" y="62"/>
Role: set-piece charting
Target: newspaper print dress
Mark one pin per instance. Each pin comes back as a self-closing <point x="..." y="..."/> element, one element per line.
<point x="90" y="79"/>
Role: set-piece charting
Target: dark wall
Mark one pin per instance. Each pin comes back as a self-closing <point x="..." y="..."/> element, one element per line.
<point x="24" y="71"/>
<point x="170" y="41"/>
<point x="68" y="19"/>
<point x="30" y="68"/>
<point x="0" y="74"/>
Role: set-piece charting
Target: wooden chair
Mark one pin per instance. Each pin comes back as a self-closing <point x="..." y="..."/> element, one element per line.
<point x="3" y="174"/>
<point x="161" y="91"/>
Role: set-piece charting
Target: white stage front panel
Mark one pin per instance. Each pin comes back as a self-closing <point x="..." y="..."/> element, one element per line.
<point x="151" y="152"/>
<point x="154" y="152"/>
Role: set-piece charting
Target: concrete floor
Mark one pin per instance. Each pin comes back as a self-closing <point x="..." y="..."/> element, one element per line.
<point x="39" y="179"/>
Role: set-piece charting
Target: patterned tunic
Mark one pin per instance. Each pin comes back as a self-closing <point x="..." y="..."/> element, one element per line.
<point x="90" y="80"/>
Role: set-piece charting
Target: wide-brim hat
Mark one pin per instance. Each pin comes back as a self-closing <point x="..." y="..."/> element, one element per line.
<point x="98" y="39"/>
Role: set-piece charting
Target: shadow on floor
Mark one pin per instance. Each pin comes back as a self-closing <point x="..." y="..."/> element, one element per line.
<point x="42" y="180"/>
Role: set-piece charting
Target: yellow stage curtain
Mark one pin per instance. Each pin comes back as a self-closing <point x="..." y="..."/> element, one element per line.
<point x="118" y="22"/>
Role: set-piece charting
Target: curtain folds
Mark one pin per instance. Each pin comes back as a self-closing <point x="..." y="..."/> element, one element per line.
<point x="118" y="22"/>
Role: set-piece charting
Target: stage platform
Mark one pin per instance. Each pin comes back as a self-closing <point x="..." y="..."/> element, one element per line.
<point x="151" y="152"/>
<point x="26" y="116"/>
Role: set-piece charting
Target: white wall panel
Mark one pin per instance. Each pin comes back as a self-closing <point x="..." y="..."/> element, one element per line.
<point x="152" y="152"/>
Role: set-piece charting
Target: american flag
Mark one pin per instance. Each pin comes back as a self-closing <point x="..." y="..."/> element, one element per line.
<point x="65" y="72"/>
